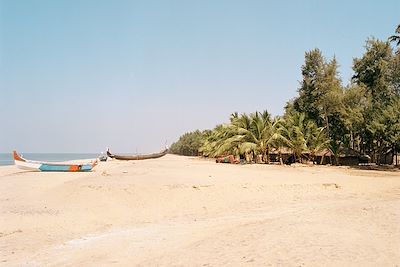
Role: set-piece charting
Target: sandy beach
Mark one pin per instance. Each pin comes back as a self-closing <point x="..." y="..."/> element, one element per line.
<point x="182" y="211"/>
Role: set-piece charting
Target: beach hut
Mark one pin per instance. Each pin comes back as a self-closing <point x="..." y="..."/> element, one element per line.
<point x="387" y="157"/>
<point x="324" y="157"/>
<point x="396" y="159"/>
<point x="286" y="154"/>
<point x="346" y="157"/>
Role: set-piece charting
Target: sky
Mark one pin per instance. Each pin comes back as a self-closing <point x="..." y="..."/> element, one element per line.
<point x="80" y="76"/>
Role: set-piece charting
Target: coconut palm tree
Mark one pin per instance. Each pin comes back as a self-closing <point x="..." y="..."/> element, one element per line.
<point x="255" y="133"/>
<point x="317" y="139"/>
<point x="303" y="136"/>
<point x="246" y="134"/>
<point x="294" y="133"/>
<point x="226" y="139"/>
<point x="215" y="140"/>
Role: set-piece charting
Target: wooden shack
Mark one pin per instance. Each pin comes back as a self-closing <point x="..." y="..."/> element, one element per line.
<point x="346" y="157"/>
<point x="286" y="154"/>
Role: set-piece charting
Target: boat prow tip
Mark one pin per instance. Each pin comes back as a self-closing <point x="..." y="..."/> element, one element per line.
<point x="17" y="156"/>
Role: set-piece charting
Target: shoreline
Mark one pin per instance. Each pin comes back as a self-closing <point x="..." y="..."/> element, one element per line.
<point x="369" y="168"/>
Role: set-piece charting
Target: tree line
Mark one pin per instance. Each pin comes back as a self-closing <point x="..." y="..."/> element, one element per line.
<point x="363" y="116"/>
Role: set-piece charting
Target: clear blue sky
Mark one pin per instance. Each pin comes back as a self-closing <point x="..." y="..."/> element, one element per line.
<point x="77" y="76"/>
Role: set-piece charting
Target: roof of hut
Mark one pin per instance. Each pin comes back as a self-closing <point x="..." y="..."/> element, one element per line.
<point x="348" y="152"/>
<point x="325" y="152"/>
<point x="343" y="153"/>
<point x="282" y="150"/>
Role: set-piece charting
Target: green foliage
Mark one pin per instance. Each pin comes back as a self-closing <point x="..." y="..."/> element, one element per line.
<point x="385" y="127"/>
<point x="302" y="136"/>
<point x="372" y="70"/>
<point x="320" y="95"/>
<point x="390" y="122"/>
<point x="355" y="103"/>
<point x="364" y="116"/>
<point x="394" y="74"/>
<point x="189" y="143"/>
<point x="256" y="133"/>
<point x="220" y="141"/>
<point x="321" y="90"/>
<point x="377" y="72"/>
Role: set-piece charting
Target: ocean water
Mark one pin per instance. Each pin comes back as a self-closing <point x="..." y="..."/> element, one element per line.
<point x="7" y="158"/>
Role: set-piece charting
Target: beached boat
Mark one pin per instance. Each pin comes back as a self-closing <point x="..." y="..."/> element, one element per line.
<point x="51" y="166"/>
<point x="137" y="157"/>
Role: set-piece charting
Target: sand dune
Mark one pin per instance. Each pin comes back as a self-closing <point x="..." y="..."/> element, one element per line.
<point x="180" y="211"/>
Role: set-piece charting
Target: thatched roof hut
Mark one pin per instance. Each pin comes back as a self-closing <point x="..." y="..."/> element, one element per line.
<point x="346" y="156"/>
<point x="387" y="157"/>
<point x="284" y="153"/>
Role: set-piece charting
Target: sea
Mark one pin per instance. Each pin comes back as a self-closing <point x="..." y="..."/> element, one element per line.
<point x="7" y="158"/>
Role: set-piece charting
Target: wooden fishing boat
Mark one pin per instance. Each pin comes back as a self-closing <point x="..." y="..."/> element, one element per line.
<point x="137" y="157"/>
<point x="51" y="166"/>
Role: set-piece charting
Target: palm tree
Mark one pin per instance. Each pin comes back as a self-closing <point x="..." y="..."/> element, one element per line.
<point x="303" y="136"/>
<point x="255" y="133"/>
<point x="213" y="145"/>
<point x="317" y="139"/>
<point x="294" y="133"/>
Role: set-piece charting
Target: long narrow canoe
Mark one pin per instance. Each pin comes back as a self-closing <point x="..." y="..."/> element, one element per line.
<point x="51" y="166"/>
<point x="137" y="157"/>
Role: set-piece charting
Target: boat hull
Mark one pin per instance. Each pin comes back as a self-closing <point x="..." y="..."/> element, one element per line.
<point x="138" y="157"/>
<point x="31" y="165"/>
<point x="65" y="168"/>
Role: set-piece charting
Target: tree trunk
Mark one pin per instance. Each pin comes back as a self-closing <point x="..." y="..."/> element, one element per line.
<point x="378" y="156"/>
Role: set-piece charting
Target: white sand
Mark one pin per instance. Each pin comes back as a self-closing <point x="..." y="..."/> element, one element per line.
<point x="179" y="211"/>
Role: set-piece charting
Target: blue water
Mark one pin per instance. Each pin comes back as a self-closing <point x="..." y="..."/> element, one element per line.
<point x="7" y="158"/>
